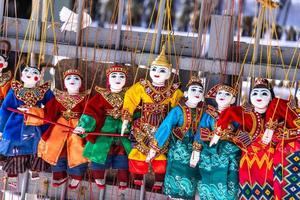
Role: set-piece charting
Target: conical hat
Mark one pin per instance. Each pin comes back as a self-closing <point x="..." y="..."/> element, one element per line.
<point x="162" y="59"/>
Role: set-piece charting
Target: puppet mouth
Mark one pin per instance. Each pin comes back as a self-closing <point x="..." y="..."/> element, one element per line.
<point x="156" y="76"/>
<point x="259" y="100"/>
<point x="118" y="83"/>
<point x="29" y="77"/>
<point x="221" y="99"/>
<point x="1" y="65"/>
<point x="197" y="97"/>
<point x="72" y="83"/>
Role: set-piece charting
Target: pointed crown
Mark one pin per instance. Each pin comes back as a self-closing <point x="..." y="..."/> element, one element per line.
<point x="162" y="59"/>
<point x="195" y="80"/>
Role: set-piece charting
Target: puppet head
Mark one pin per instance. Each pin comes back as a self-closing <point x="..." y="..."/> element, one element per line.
<point x="116" y="77"/>
<point x="195" y="93"/>
<point x="223" y="94"/>
<point x="73" y="81"/>
<point x="30" y="75"/>
<point x="4" y="57"/>
<point x="160" y="69"/>
<point x="261" y="94"/>
<point x="297" y="95"/>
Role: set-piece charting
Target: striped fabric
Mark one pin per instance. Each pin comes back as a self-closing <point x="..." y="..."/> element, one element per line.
<point x="15" y="165"/>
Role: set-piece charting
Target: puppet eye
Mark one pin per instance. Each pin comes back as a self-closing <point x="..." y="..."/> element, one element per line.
<point x="122" y="76"/>
<point x="254" y="94"/>
<point x="76" y="78"/>
<point x="265" y="94"/>
<point x="227" y="94"/>
<point x="153" y="69"/>
<point x="113" y="76"/>
<point x="163" y="71"/>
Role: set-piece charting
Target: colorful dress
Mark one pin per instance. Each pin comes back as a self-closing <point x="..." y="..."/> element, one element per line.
<point x="103" y="114"/>
<point x="58" y="145"/>
<point x="284" y="117"/>
<point x="178" y="129"/>
<point x="219" y="164"/>
<point x="5" y="83"/>
<point x="256" y="164"/>
<point x="19" y="142"/>
<point x="155" y="103"/>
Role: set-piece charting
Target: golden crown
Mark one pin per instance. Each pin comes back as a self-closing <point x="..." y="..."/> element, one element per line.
<point x="269" y="3"/>
<point x="116" y="68"/>
<point x="262" y="81"/>
<point x="162" y="59"/>
<point x="72" y="72"/>
<point x="194" y="80"/>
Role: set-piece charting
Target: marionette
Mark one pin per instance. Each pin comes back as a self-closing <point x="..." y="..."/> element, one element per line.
<point x="255" y="170"/>
<point x="19" y="142"/>
<point x="218" y="166"/>
<point x="155" y="97"/>
<point x="283" y="117"/>
<point x="5" y="77"/>
<point x="178" y="128"/>
<point x="59" y="146"/>
<point x="103" y="114"/>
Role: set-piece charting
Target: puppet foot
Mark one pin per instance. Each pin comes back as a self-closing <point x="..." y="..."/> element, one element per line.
<point x="100" y="183"/>
<point x="122" y="185"/>
<point x="138" y="182"/>
<point x="12" y="182"/>
<point x="74" y="184"/>
<point x="34" y="175"/>
<point x="57" y="183"/>
<point x="157" y="186"/>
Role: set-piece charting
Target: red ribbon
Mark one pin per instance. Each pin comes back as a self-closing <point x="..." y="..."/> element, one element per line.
<point x="65" y="126"/>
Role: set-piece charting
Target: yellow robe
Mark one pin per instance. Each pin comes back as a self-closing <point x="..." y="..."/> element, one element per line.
<point x="143" y="92"/>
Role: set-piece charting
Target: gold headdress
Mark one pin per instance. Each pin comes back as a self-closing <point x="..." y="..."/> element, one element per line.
<point x="162" y="59"/>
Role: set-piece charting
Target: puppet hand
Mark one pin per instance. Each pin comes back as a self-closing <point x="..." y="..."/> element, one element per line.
<point x="23" y="109"/>
<point x="195" y="158"/>
<point x="214" y="140"/>
<point x="124" y="127"/>
<point x="150" y="155"/>
<point x="267" y="137"/>
<point x="79" y="130"/>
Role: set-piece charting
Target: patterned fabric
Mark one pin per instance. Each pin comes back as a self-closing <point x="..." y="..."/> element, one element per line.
<point x="219" y="164"/>
<point x="19" y="164"/>
<point x="181" y="179"/>
<point x="256" y="192"/>
<point x="287" y="171"/>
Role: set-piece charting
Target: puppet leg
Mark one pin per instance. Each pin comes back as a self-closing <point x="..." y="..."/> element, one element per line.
<point x="137" y="166"/>
<point x="14" y="166"/>
<point x="76" y="174"/>
<point x="98" y="171"/>
<point x="120" y="162"/>
<point x="159" y="168"/>
<point x="59" y="172"/>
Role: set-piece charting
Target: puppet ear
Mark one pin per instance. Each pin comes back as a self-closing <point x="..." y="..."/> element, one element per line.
<point x="233" y="100"/>
<point x="185" y="94"/>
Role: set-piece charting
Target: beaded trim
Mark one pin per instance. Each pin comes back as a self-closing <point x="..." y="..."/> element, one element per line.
<point x="158" y="96"/>
<point x="30" y="96"/>
<point x="4" y="78"/>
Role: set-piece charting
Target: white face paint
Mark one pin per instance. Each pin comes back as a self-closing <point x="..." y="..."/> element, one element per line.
<point x="260" y="98"/>
<point x="298" y="96"/>
<point x="195" y="94"/>
<point x="224" y="98"/>
<point x="3" y="63"/>
<point x="159" y="75"/>
<point x="30" y="76"/>
<point x="116" y="81"/>
<point x="73" y="83"/>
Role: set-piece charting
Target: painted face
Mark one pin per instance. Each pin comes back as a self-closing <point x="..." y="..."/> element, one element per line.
<point x="117" y="80"/>
<point x="30" y="75"/>
<point x="3" y="63"/>
<point x="195" y="94"/>
<point x="224" y="98"/>
<point x="73" y="82"/>
<point x="159" y="74"/>
<point x="260" y="97"/>
<point x="298" y="94"/>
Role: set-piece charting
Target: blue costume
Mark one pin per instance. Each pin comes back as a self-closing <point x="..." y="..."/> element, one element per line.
<point x="219" y="164"/>
<point x="20" y="141"/>
<point x="178" y="129"/>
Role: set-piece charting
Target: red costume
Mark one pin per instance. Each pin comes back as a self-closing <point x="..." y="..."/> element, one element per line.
<point x="255" y="173"/>
<point x="287" y="152"/>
